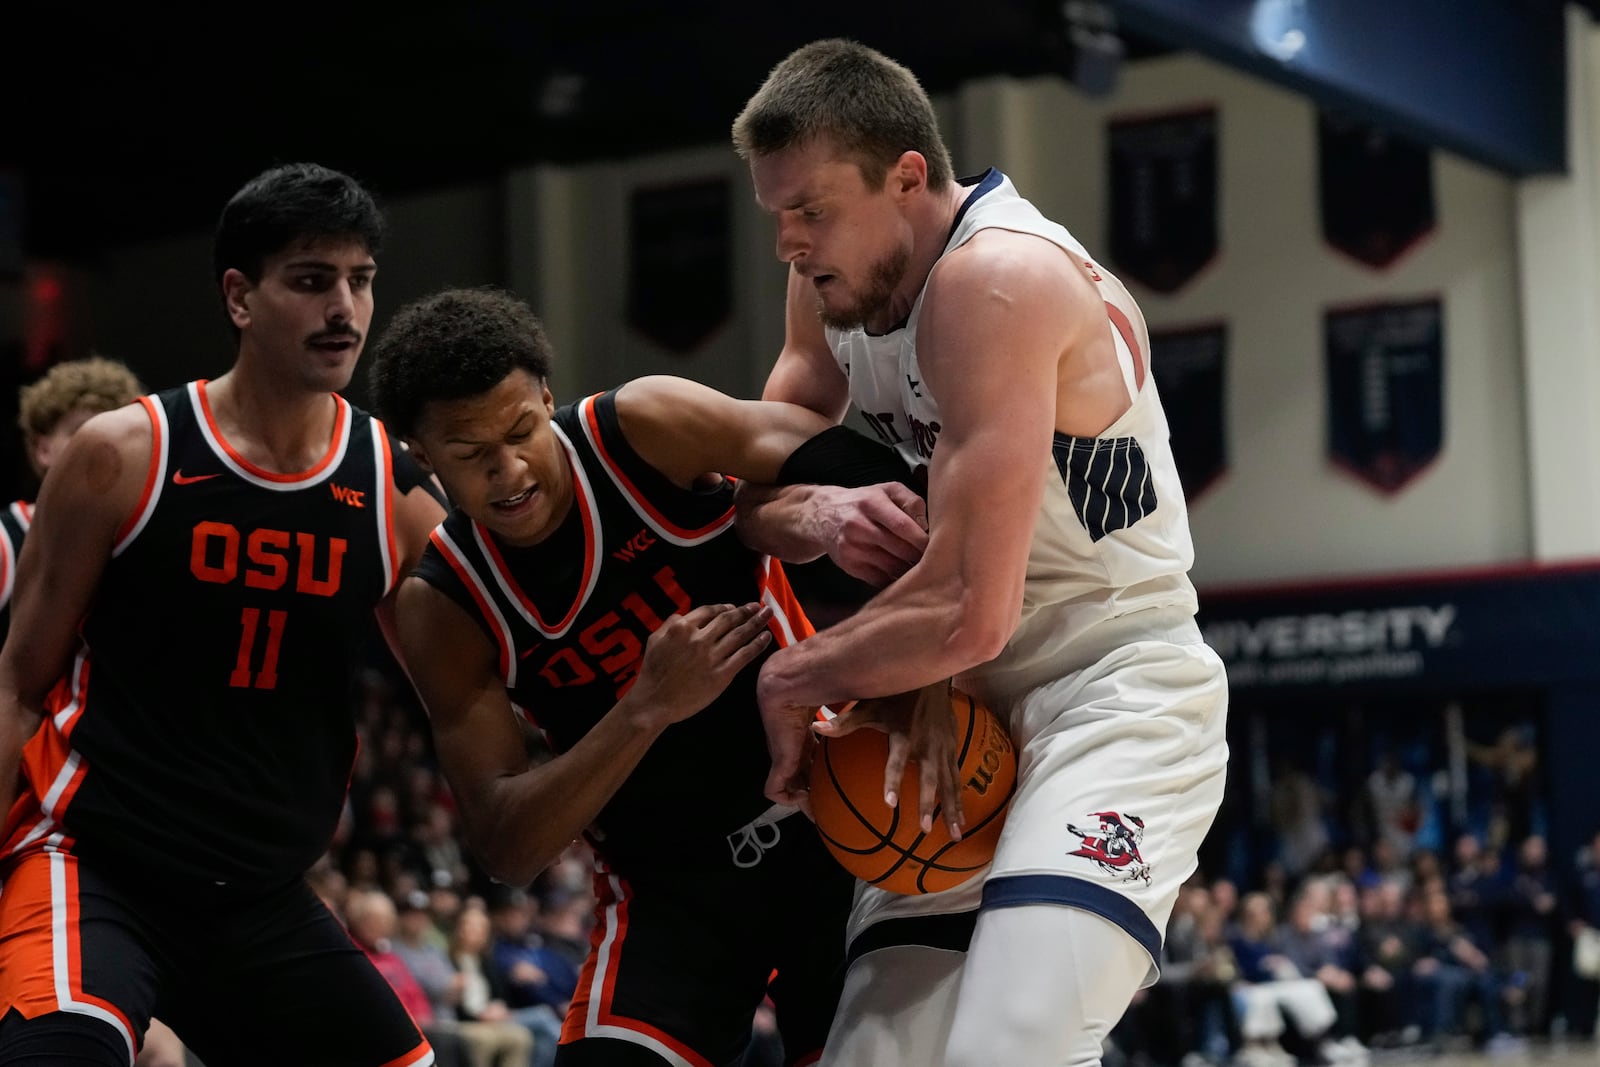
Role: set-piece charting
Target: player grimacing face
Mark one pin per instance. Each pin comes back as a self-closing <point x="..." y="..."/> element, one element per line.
<point x="309" y="313"/>
<point x="498" y="458"/>
<point x="844" y="236"/>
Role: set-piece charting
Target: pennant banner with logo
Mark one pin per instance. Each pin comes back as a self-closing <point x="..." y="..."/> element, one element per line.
<point x="1385" y="365"/>
<point x="1190" y="369"/>
<point x="1163" y="182"/>
<point x="1376" y="190"/>
<point x="680" y="262"/>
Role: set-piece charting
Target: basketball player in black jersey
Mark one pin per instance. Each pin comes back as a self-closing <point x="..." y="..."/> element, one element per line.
<point x="590" y="580"/>
<point x="49" y="411"/>
<point x="219" y="548"/>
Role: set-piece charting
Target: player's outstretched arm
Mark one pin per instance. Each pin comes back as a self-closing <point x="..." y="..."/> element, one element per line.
<point x="92" y="491"/>
<point x="519" y="818"/>
<point x="687" y="430"/>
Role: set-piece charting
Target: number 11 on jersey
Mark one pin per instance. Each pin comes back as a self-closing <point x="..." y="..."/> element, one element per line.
<point x="267" y="676"/>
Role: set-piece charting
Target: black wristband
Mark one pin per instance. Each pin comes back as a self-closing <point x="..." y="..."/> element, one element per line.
<point x="841" y="456"/>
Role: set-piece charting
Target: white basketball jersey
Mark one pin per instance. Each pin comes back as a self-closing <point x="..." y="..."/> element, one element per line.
<point x="1112" y="536"/>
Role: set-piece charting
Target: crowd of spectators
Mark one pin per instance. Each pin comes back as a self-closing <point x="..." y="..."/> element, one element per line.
<point x="1336" y="950"/>
<point x="1328" y="954"/>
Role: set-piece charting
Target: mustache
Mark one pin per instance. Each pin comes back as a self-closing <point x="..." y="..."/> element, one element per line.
<point x="338" y="333"/>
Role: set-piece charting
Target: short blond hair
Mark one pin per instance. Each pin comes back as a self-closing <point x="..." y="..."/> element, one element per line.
<point x="870" y="107"/>
<point x="94" y="384"/>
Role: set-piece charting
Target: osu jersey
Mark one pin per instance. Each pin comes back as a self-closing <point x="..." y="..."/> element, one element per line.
<point x="14" y="522"/>
<point x="204" y="726"/>
<point x="571" y="615"/>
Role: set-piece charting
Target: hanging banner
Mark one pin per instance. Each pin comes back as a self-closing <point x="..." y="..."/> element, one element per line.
<point x="680" y="262"/>
<point x="1385" y="369"/>
<point x="1190" y="369"/>
<point x="1163" y="182"/>
<point x="1375" y="191"/>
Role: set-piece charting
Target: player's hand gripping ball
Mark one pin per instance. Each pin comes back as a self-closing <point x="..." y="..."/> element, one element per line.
<point x="885" y="846"/>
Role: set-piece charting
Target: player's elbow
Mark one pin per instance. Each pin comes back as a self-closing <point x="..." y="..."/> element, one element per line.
<point x="504" y="855"/>
<point x="984" y="624"/>
<point x="508" y="865"/>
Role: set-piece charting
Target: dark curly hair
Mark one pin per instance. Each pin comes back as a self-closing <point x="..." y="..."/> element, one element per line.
<point x="454" y="344"/>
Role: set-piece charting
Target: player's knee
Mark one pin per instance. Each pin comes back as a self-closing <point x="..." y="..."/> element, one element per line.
<point x="61" y="1039"/>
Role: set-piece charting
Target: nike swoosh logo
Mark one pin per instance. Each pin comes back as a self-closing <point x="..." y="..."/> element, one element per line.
<point x="180" y="478"/>
<point x="525" y="653"/>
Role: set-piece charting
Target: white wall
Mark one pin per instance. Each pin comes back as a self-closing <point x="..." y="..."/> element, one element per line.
<point x="1282" y="511"/>
<point x="154" y="305"/>
<point x="557" y="236"/>
<point x="1559" y="250"/>
<point x="571" y="256"/>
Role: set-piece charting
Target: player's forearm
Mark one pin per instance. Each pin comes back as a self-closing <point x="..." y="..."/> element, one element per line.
<point x="909" y="636"/>
<point x="782" y="521"/>
<point x="17" y="725"/>
<point x="526" y="821"/>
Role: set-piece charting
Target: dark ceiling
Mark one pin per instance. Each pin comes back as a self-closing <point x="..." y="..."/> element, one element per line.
<point x="134" y="125"/>
<point x="131" y="122"/>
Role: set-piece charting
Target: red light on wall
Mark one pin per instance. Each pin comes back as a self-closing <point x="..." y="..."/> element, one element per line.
<point x="46" y="289"/>
<point x="44" y="331"/>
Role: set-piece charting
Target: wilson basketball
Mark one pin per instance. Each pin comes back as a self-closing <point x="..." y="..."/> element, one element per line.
<point x="885" y="846"/>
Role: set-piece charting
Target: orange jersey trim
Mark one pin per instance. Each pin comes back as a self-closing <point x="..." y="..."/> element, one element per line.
<point x="52" y="769"/>
<point x="65" y="702"/>
<point x="591" y="560"/>
<point x="589" y="1016"/>
<point x="41" y="959"/>
<point x="470" y="580"/>
<point x="341" y="416"/>
<point x="152" y="478"/>
<point x="640" y="501"/>
<point x="417" y="1057"/>
<point x="788" y="623"/>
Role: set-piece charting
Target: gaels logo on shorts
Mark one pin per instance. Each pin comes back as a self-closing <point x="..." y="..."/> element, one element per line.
<point x="1114" y="845"/>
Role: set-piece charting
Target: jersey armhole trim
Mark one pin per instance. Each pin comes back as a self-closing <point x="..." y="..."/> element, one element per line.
<point x="151" y="495"/>
<point x="388" y="544"/>
<point x="468" y="576"/>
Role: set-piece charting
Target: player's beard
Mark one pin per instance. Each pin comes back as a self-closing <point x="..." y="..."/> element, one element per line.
<point x="881" y="281"/>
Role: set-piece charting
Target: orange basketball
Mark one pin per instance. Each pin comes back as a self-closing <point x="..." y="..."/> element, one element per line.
<point x="885" y="846"/>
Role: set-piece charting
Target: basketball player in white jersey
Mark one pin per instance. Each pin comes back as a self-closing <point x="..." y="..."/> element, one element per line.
<point x="981" y="339"/>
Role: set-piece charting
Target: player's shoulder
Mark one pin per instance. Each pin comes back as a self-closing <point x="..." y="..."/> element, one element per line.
<point x="108" y="461"/>
<point x="127" y="430"/>
<point x="658" y="396"/>
<point x="1008" y="252"/>
<point x="1016" y="267"/>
